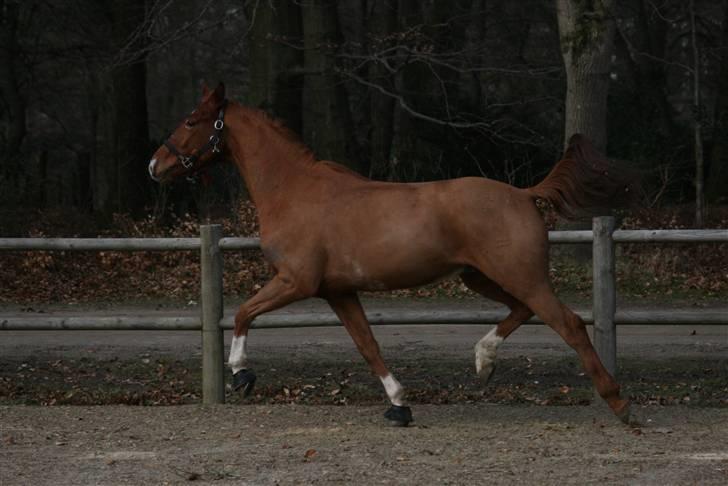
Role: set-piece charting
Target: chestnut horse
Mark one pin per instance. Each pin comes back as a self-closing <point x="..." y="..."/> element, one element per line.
<point x="328" y="232"/>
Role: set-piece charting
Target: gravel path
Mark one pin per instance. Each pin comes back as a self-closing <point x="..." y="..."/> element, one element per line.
<point x="293" y="444"/>
<point x="458" y="443"/>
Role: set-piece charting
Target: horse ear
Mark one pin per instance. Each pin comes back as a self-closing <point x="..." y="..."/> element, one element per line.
<point x="205" y="90"/>
<point x="220" y="92"/>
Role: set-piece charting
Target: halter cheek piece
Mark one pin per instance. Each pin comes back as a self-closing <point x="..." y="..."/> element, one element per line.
<point x="188" y="161"/>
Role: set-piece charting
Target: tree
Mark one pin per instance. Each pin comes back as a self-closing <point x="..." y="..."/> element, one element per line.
<point x="12" y="101"/>
<point x="119" y="173"/>
<point x="697" y="122"/>
<point x="717" y="183"/>
<point x="275" y="60"/>
<point x="586" y="28"/>
<point x="327" y="125"/>
<point x="382" y="23"/>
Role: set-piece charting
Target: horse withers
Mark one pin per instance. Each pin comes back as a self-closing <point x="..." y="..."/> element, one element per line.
<point x="328" y="232"/>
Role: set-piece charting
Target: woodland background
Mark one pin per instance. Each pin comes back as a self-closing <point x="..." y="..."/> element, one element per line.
<point x="398" y="90"/>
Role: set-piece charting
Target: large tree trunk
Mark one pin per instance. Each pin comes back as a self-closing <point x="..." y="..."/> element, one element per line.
<point x="717" y="182"/>
<point x="124" y="129"/>
<point x="382" y="21"/>
<point x="12" y="101"/>
<point x="697" y="124"/>
<point x="645" y="55"/>
<point x="275" y="82"/>
<point x="327" y="125"/>
<point x="586" y="28"/>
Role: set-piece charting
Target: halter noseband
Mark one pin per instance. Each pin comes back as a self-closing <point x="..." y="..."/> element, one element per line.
<point x="188" y="161"/>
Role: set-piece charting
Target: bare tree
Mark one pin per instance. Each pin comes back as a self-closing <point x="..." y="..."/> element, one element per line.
<point x="717" y="184"/>
<point x="275" y="59"/>
<point x="12" y="101"/>
<point x="587" y="31"/>
<point x="327" y="124"/>
<point x="697" y="123"/>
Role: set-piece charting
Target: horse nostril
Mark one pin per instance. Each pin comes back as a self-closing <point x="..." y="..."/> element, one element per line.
<point x="152" y="165"/>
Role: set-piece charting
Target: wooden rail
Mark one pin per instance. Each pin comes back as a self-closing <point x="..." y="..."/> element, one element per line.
<point x="211" y="244"/>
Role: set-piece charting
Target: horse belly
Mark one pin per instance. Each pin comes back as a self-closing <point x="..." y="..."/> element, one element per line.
<point x="390" y="270"/>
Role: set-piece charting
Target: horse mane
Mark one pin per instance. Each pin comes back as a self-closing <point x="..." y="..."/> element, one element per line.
<point x="292" y="137"/>
<point x="342" y="169"/>
<point x="281" y="129"/>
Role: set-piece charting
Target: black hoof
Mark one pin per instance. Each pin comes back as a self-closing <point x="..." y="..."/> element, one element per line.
<point x="244" y="379"/>
<point x="400" y="416"/>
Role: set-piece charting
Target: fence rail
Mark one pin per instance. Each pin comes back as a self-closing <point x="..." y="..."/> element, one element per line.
<point x="679" y="317"/>
<point x="231" y="243"/>
<point x="211" y="244"/>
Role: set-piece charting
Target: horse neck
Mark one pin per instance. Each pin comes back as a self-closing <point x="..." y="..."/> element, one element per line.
<point x="272" y="164"/>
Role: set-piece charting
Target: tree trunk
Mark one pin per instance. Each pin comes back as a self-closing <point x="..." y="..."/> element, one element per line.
<point x="697" y="123"/>
<point x="382" y="22"/>
<point x="717" y="182"/>
<point x="275" y="83"/>
<point x="327" y="125"/>
<point x="586" y="28"/>
<point x="645" y="57"/>
<point x="124" y="129"/>
<point x="12" y="101"/>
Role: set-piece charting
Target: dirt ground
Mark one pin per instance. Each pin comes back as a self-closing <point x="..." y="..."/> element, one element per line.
<point x="294" y="444"/>
<point x="316" y="414"/>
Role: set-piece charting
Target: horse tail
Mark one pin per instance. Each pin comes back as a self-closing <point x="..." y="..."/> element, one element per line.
<point x="585" y="181"/>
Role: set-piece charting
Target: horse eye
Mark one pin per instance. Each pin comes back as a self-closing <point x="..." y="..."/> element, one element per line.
<point x="189" y="123"/>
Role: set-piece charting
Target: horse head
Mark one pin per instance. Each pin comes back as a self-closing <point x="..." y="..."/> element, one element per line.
<point x="196" y="142"/>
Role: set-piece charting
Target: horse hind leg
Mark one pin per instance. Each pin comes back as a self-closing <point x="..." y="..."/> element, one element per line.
<point x="350" y="312"/>
<point x="486" y="348"/>
<point x="572" y="330"/>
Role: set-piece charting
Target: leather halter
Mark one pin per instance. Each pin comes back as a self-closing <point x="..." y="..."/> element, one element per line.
<point x="189" y="161"/>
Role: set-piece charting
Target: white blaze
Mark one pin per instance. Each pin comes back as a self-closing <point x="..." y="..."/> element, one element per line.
<point x="394" y="390"/>
<point x="485" y="352"/>
<point x="238" y="354"/>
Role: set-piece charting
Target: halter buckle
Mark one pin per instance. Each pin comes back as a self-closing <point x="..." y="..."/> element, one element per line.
<point x="214" y="141"/>
<point x="186" y="161"/>
<point x="219" y="124"/>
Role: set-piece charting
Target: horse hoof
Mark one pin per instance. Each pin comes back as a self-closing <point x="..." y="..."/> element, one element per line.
<point x="623" y="413"/>
<point x="244" y="379"/>
<point x="486" y="374"/>
<point x="399" y="416"/>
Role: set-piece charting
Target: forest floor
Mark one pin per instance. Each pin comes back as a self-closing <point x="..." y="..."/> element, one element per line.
<point x="316" y="414"/>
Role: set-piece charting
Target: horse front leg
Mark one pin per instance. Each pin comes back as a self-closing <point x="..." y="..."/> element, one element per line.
<point x="350" y="312"/>
<point x="280" y="291"/>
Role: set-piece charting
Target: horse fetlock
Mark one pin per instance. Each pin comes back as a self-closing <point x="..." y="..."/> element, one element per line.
<point x="238" y="353"/>
<point x="394" y="390"/>
<point x="485" y="354"/>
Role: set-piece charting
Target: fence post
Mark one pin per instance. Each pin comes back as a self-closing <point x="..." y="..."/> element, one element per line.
<point x="213" y="382"/>
<point x="604" y="292"/>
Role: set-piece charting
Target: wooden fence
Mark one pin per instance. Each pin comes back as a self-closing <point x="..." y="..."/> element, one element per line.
<point x="211" y="244"/>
